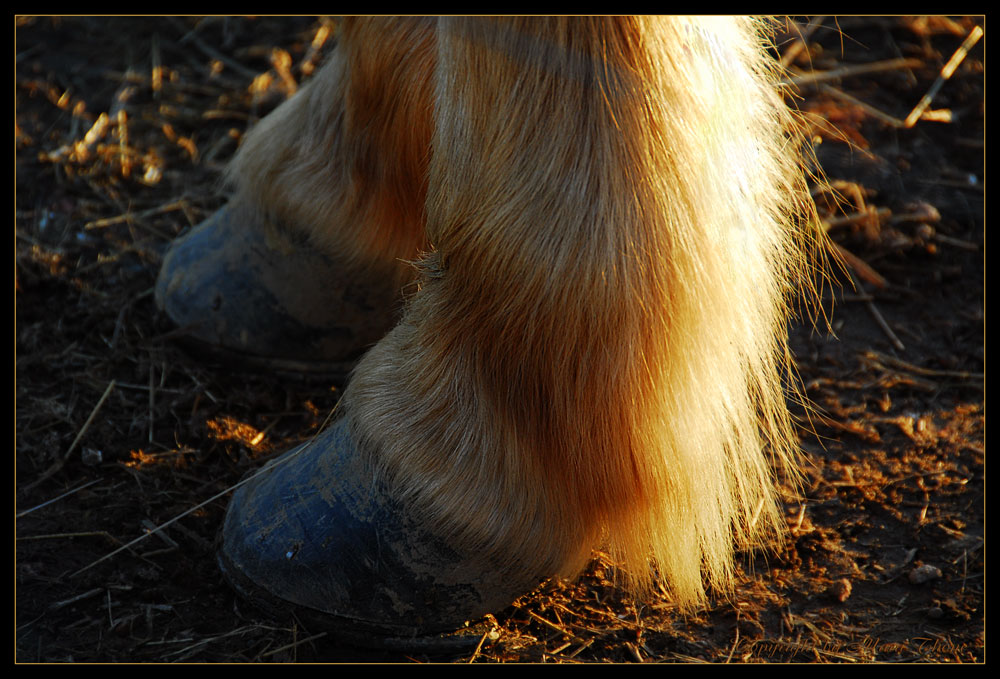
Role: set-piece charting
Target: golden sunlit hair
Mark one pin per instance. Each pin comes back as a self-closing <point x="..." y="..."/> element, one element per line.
<point x="610" y="222"/>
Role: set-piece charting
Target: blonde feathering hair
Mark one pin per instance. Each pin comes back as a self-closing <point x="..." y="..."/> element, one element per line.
<point x="611" y="223"/>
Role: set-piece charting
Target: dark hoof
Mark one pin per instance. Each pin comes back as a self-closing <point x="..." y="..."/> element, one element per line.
<point x="242" y="288"/>
<point x="314" y="533"/>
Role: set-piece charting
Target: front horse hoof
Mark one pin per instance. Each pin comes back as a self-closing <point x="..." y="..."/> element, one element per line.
<point x="315" y="533"/>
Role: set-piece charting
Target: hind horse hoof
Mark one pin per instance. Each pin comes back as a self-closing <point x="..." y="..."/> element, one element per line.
<point x="261" y="295"/>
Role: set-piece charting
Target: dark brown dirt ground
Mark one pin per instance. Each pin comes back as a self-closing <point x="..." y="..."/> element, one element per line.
<point x="895" y="451"/>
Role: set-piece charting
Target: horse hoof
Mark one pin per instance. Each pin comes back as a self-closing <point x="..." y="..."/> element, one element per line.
<point x="241" y="288"/>
<point x="315" y="533"/>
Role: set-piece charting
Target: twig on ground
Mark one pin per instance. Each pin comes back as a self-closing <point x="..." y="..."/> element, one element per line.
<point x="48" y="473"/>
<point x="867" y="108"/>
<point x="486" y="635"/>
<point x="880" y="358"/>
<point x="56" y="499"/>
<point x="946" y="72"/>
<point x="884" y="325"/>
<point x="871" y="213"/>
<point x="861" y="267"/>
<point x="550" y="624"/>
<point x="179" y="204"/>
<point x="56" y="605"/>
<point x="61" y="536"/>
<point x="816" y="77"/>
